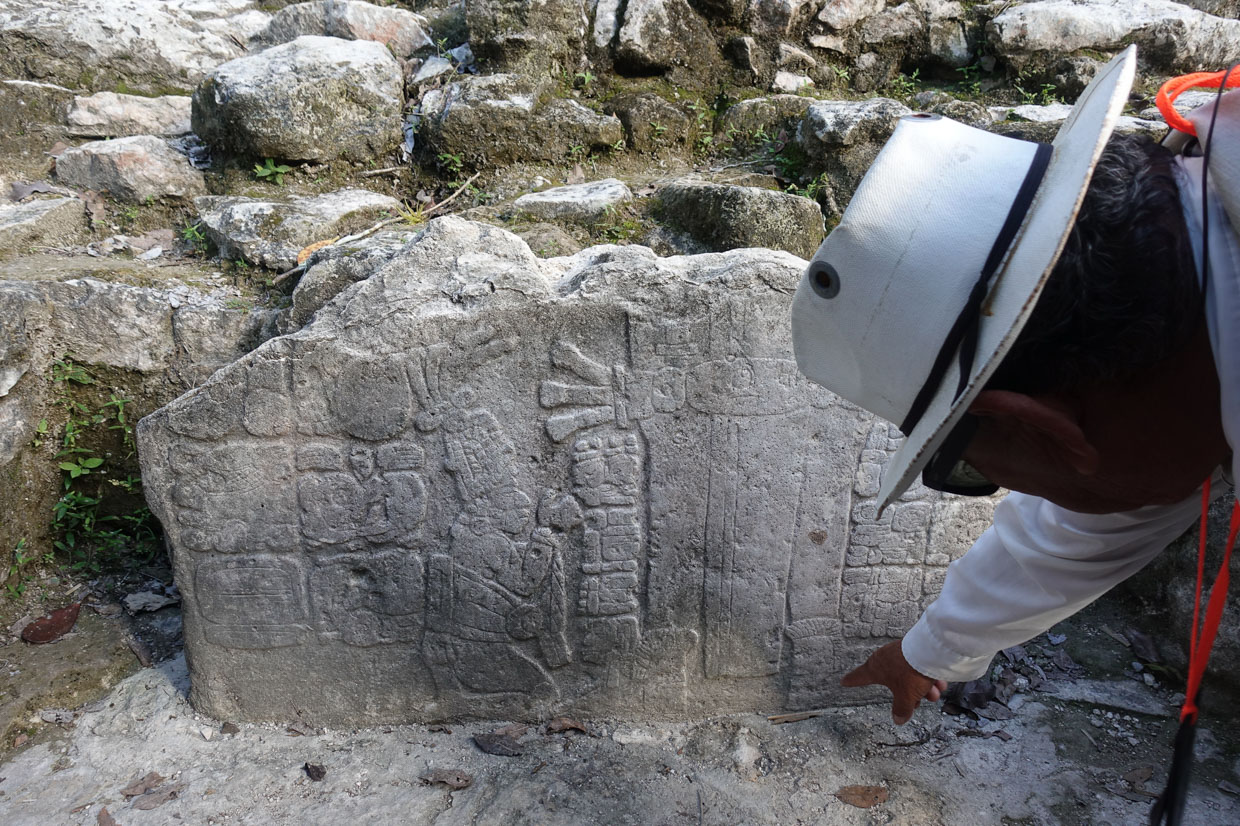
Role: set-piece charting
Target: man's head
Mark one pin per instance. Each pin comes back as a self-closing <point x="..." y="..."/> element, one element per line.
<point x="1108" y="400"/>
<point x="1030" y="308"/>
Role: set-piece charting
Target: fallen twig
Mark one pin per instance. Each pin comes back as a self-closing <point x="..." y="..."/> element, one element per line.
<point x="385" y="171"/>
<point x="348" y="239"/>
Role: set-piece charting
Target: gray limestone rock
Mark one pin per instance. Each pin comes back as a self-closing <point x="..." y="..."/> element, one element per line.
<point x="790" y="83"/>
<point x="844" y="14"/>
<point x="505" y="118"/>
<point x="724" y="217"/>
<point x="764" y="116"/>
<point x="32" y="116"/>
<point x="652" y="123"/>
<point x="432" y="68"/>
<point x="483" y="483"/>
<point x="1042" y="123"/>
<point x="659" y="34"/>
<point x="1172" y="37"/>
<point x="152" y="344"/>
<point x="52" y="221"/>
<point x="780" y="18"/>
<point x="577" y="202"/>
<point x="272" y="233"/>
<point x="898" y="24"/>
<point x="332" y="269"/>
<point x="109" y="115"/>
<point x="404" y="32"/>
<point x="517" y="35"/>
<point x="130" y="169"/>
<point x="315" y="98"/>
<point x="842" y="138"/>
<point x="149" y="45"/>
<point x="547" y="240"/>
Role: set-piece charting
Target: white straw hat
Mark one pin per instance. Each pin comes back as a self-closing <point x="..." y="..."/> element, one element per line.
<point x="951" y="234"/>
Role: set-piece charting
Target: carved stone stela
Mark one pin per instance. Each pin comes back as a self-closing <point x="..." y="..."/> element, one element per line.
<point x="488" y="485"/>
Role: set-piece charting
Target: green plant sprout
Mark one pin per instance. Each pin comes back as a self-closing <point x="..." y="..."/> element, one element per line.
<point x="271" y="171"/>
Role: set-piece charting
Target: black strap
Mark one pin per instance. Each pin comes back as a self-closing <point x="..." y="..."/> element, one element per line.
<point x="964" y="333"/>
<point x="1168" y="810"/>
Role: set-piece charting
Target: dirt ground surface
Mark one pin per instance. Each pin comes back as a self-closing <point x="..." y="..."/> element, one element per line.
<point x="1087" y="750"/>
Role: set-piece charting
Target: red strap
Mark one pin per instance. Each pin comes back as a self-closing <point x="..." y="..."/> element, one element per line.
<point x="1201" y="641"/>
<point x="1172" y="89"/>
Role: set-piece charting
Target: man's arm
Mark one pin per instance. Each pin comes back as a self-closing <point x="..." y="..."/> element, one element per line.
<point x="1035" y="566"/>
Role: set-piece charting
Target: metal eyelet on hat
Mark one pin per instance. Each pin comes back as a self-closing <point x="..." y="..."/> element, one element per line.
<point x="824" y="279"/>
<point x="922" y="116"/>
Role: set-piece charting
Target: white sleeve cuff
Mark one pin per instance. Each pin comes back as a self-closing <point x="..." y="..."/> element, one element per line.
<point x="926" y="653"/>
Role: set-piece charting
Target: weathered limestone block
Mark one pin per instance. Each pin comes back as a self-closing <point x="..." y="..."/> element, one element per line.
<point x="780" y="17"/>
<point x="576" y="202"/>
<point x="517" y="35"/>
<point x="403" y="31"/>
<point x="480" y="483"/>
<point x="272" y="233"/>
<point x="505" y="118"/>
<point x="109" y="115"/>
<point x="151" y="344"/>
<point x="659" y="34"/>
<point x="149" y="45"/>
<point x="652" y="123"/>
<point x="52" y="221"/>
<point x="724" y="217"/>
<point x="843" y="137"/>
<point x="315" y="98"/>
<point x="844" y="14"/>
<point x="130" y="169"/>
<point x="1172" y="37"/>
<point x="764" y="116"/>
<point x="332" y="269"/>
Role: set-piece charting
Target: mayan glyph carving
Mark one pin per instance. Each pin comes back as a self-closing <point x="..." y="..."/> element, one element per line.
<point x="484" y="484"/>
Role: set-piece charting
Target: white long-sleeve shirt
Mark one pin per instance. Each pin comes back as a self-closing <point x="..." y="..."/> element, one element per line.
<point x="1040" y="563"/>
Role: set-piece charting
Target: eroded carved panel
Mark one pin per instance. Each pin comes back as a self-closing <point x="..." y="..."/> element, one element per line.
<point x="492" y="497"/>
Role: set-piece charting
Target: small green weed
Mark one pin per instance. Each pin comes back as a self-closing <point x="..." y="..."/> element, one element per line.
<point x="269" y="170"/>
<point x="970" y="82"/>
<point x="89" y="539"/>
<point x="452" y="163"/>
<point x="18" y="576"/>
<point x="905" y="85"/>
<point x="194" y="237"/>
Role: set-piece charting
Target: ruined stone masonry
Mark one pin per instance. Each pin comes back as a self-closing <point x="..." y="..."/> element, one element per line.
<point x="484" y="484"/>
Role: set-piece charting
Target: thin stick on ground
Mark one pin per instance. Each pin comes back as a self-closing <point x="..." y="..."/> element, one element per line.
<point x="348" y="239"/>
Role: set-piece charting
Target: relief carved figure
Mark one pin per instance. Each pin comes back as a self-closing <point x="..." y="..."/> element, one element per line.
<point x="496" y="603"/>
<point x="369" y="496"/>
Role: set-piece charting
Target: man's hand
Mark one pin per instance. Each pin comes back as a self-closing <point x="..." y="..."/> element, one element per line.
<point x="909" y="687"/>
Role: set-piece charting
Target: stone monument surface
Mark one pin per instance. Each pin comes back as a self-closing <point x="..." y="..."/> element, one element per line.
<point x="480" y="483"/>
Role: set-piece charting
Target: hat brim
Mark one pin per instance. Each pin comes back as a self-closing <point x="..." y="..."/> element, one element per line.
<point x="1020" y="278"/>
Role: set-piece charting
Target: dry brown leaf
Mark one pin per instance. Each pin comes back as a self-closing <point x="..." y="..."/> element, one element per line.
<point x="105" y="819"/>
<point x="155" y="799"/>
<point x="52" y="627"/>
<point x="143" y="785"/>
<point x="504" y="745"/>
<point x="306" y="252"/>
<point x="513" y="730"/>
<point x="1137" y="777"/>
<point x="452" y="778"/>
<point x="315" y="771"/>
<point x="140" y="650"/>
<point x="560" y="724"/>
<point x="863" y="797"/>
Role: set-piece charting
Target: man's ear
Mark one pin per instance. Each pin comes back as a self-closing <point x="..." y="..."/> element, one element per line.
<point x="1047" y="420"/>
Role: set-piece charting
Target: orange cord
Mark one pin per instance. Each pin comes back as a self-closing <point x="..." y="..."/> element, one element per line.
<point x="1173" y="87"/>
<point x="1201" y="641"/>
